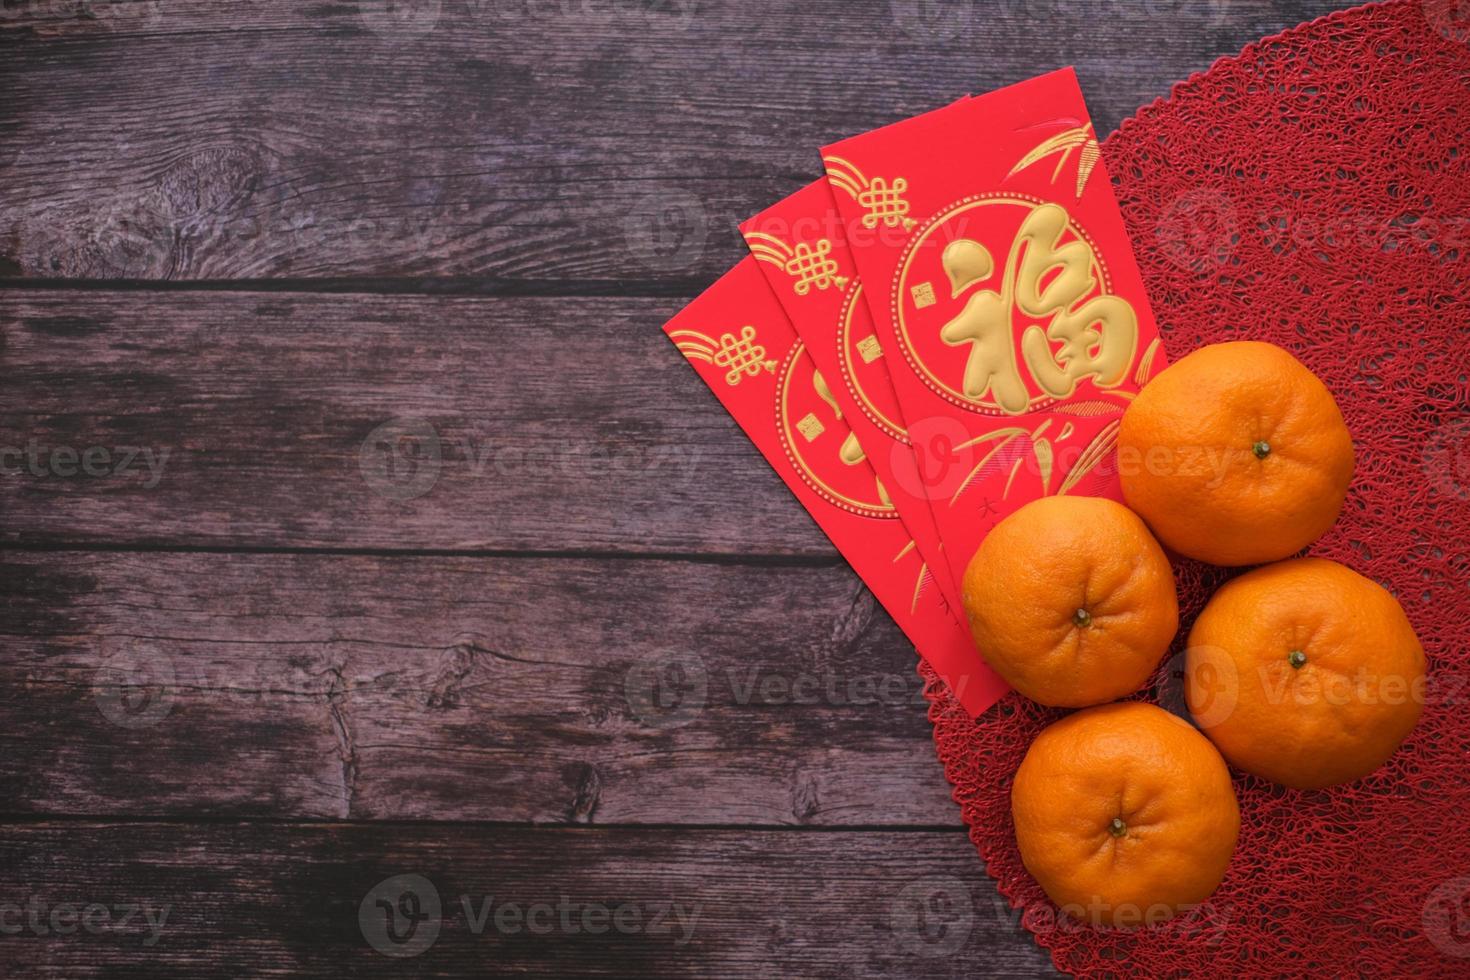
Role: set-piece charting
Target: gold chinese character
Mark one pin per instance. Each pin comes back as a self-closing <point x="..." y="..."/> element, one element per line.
<point x="1105" y="322"/>
<point x="923" y="295"/>
<point x="869" y="349"/>
<point x="851" y="453"/>
<point x="985" y="324"/>
<point x="810" y="426"/>
<point x="1042" y="279"/>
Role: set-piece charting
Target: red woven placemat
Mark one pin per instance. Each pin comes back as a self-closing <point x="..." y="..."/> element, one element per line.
<point x="1313" y="191"/>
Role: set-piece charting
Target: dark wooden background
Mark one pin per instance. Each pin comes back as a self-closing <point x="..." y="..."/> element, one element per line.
<point x="434" y="507"/>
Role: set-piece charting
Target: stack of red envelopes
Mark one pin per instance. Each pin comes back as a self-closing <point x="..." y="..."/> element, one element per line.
<point x="946" y="326"/>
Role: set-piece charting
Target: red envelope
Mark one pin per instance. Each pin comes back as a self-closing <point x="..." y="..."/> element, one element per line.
<point x="1006" y="296"/>
<point x="738" y="338"/>
<point x="803" y="253"/>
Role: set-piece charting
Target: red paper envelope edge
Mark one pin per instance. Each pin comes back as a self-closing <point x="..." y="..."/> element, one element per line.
<point x="803" y="254"/>
<point x="1001" y="279"/>
<point x="738" y="339"/>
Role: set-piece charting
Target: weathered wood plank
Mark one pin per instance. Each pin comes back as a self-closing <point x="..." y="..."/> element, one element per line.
<point x="550" y="140"/>
<point x="252" y="900"/>
<point x="315" y="686"/>
<point x="402" y="423"/>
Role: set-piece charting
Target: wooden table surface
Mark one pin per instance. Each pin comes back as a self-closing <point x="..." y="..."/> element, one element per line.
<point x="357" y="521"/>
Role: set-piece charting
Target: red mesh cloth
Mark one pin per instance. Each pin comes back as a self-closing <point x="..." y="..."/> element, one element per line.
<point x="1313" y="191"/>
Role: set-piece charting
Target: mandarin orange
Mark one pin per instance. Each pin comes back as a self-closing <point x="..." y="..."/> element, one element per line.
<point x="1305" y="673"/>
<point x="1124" y="815"/>
<point x="1235" y="455"/>
<point x="1071" y="600"/>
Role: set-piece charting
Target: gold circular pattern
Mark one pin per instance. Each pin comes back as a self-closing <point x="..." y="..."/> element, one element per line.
<point x="809" y="475"/>
<point x="849" y="370"/>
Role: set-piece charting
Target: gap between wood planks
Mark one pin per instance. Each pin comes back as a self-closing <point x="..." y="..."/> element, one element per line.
<point x="43" y="820"/>
<point x="689" y="557"/>
<point x="674" y="288"/>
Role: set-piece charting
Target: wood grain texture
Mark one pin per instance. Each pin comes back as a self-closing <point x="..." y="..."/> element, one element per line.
<point x="424" y="698"/>
<point x="251" y="900"/>
<point x="511" y="690"/>
<point x="559" y="142"/>
<point x="393" y="423"/>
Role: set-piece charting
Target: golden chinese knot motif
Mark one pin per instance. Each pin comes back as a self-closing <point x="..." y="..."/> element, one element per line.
<point x="742" y="355"/>
<point x="1043" y="279"/>
<point x="886" y="204"/>
<point x="814" y="267"/>
<point x="808" y="265"/>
